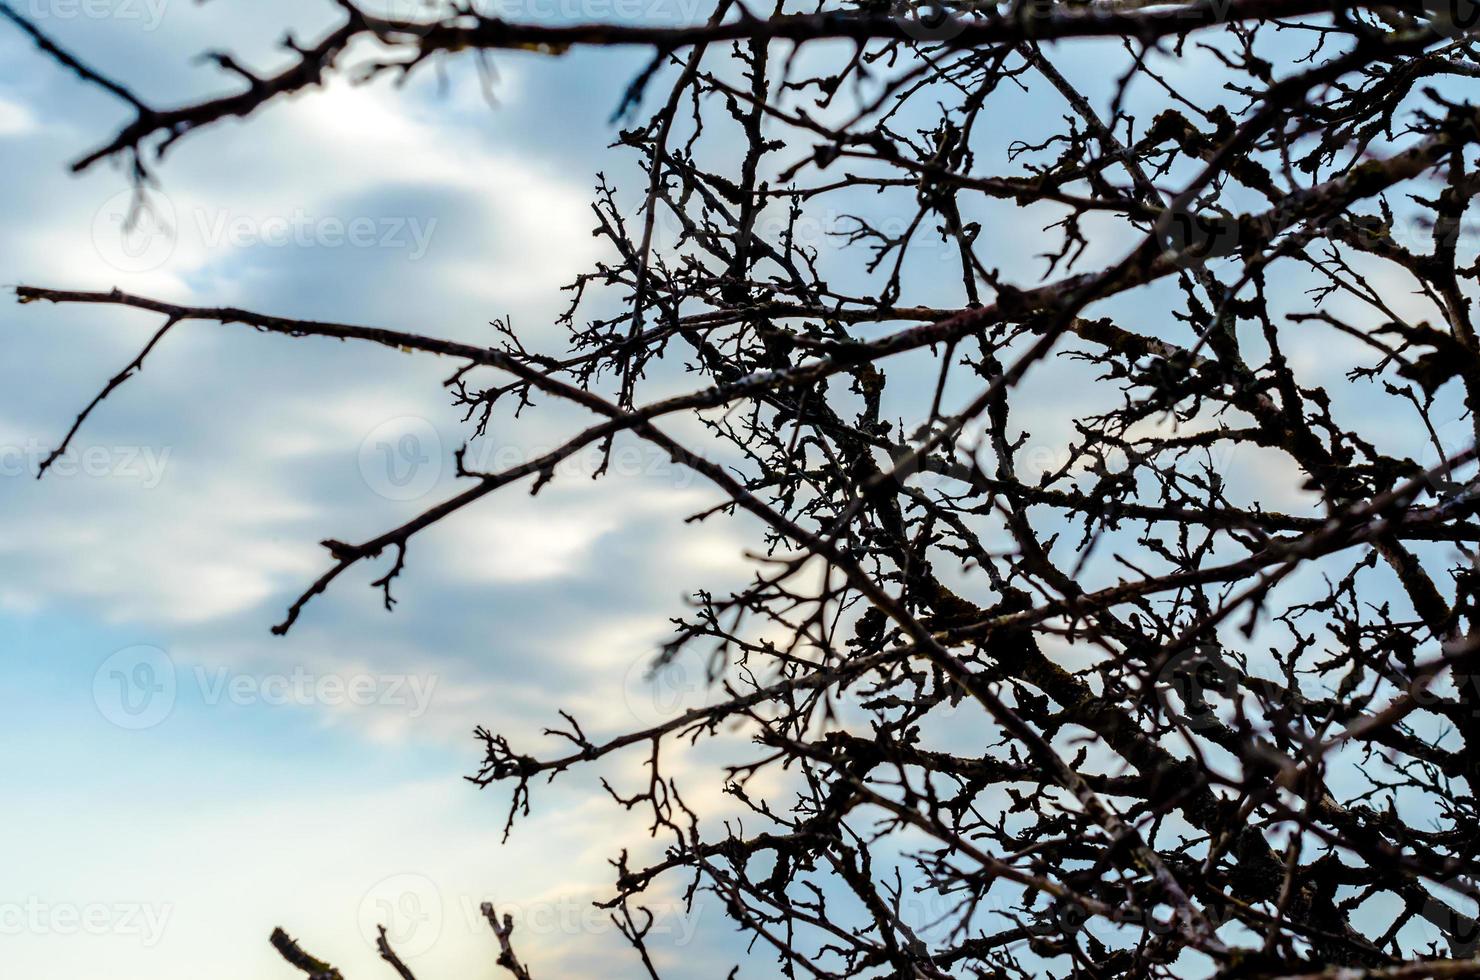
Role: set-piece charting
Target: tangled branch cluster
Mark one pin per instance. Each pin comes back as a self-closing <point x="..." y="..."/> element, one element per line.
<point x="1116" y="714"/>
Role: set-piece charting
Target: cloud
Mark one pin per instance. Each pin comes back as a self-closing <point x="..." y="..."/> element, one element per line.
<point x="513" y="539"/>
<point x="195" y="549"/>
<point x="15" y="119"/>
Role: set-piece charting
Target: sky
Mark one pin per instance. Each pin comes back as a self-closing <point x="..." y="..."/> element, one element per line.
<point x="180" y="781"/>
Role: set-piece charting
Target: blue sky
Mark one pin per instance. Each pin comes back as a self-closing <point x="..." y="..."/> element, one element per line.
<point x="187" y="521"/>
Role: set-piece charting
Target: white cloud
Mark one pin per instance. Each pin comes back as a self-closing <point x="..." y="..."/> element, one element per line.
<point x="510" y="541"/>
<point x="195" y="548"/>
<point x="15" y="118"/>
